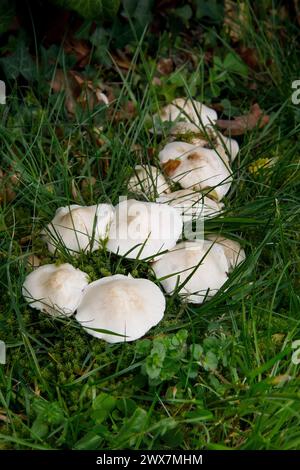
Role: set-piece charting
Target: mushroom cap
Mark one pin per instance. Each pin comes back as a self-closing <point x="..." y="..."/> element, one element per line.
<point x="143" y="229"/>
<point x="212" y="139"/>
<point x="148" y="180"/>
<point x="56" y="290"/>
<point x="122" y="305"/>
<point x="234" y="253"/>
<point x="230" y="146"/>
<point x="188" y="116"/>
<point x="191" y="204"/>
<point x="179" y="263"/>
<point x="79" y="228"/>
<point x="196" y="167"/>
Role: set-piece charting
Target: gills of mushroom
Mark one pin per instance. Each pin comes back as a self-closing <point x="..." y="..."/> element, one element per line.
<point x="56" y="290"/>
<point x="195" y="167"/>
<point x="192" y="204"/>
<point x="203" y="261"/>
<point x="234" y="253"/>
<point x="148" y="180"/>
<point x="143" y="229"/>
<point x="79" y="228"/>
<point x="122" y="305"/>
<point x="183" y="116"/>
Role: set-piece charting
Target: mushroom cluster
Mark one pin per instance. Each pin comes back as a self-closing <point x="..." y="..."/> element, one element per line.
<point x="122" y="308"/>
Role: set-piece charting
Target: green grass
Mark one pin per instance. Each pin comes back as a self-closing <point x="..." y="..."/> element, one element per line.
<point x="213" y="376"/>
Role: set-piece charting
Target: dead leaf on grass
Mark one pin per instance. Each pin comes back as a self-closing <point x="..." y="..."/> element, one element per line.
<point x="241" y="124"/>
<point x="165" y="66"/>
<point x="79" y="90"/>
<point x="80" y="49"/>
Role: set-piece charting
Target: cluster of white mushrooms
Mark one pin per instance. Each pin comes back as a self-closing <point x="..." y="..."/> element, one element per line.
<point x="122" y="308"/>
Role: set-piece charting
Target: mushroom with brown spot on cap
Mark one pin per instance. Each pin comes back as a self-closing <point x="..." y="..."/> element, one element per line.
<point x="195" y="167"/>
<point x="148" y="181"/>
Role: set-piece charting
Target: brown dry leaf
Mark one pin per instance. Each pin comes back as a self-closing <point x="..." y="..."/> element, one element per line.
<point x="170" y="166"/>
<point x="165" y="66"/>
<point x="74" y="190"/>
<point x="122" y="61"/>
<point x="249" y="56"/>
<point x="25" y="240"/>
<point x="297" y="10"/>
<point x="79" y="90"/>
<point x="241" y="124"/>
<point x="156" y="81"/>
<point x="33" y="261"/>
<point x="7" y="184"/>
<point x="88" y="182"/>
<point x="80" y="49"/>
<point x="235" y="17"/>
<point x="66" y="82"/>
<point x="128" y="111"/>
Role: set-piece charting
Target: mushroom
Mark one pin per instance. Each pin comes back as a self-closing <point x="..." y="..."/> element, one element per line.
<point x="197" y="167"/>
<point x="191" y="204"/>
<point x="185" y="115"/>
<point x="78" y="227"/>
<point x="148" y="180"/>
<point x="56" y="290"/>
<point x="122" y="305"/>
<point x="205" y="263"/>
<point x="232" y="249"/>
<point x="143" y="229"/>
<point x="226" y="147"/>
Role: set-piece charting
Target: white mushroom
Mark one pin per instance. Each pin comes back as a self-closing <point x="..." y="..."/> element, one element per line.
<point x="203" y="261"/>
<point x="122" y="305"/>
<point x="185" y="115"/>
<point x="226" y="147"/>
<point x="229" y="146"/>
<point x="191" y="204"/>
<point x="196" y="167"/>
<point x="56" y="290"/>
<point x="148" y="180"/>
<point x="232" y="249"/>
<point x="79" y="228"/>
<point x="143" y="229"/>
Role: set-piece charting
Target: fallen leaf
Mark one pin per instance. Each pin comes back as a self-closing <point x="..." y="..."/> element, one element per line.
<point x="74" y="190"/>
<point x="126" y="112"/>
<point x="165" y="66"/>
<point x="80" y="49"/>
<point x="122" y="61"/>
<point x="249" y="56"/>
<point x="241" y="124"/>
<point x="66" y="82"/>
<point x="235" y="19"/>
<point x="156" y="81"/>
<point x="25" y="240"/>
<point x="33" y="261"/>
<point x="87" y="183"/>
<point x="79" y="90"/>
<point x="7" y="184"/>
<point x="170" y="166"/>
